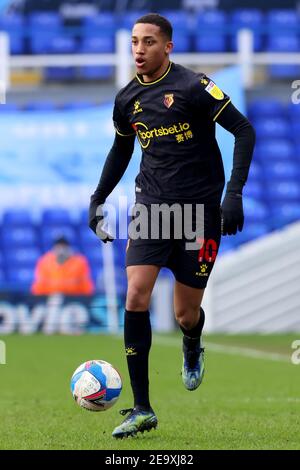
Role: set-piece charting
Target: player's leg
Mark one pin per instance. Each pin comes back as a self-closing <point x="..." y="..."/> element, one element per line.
<point x="137" y="329"/>
<point x="190" y="317"/>
<point x="192" y="268"/>
<point x="137" y="338"/>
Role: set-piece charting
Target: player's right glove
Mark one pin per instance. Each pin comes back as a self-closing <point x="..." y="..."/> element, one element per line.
<point x="232" y="213"/>
<point x="97" y="221"/>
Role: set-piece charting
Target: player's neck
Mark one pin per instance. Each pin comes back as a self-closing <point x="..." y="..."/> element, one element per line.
<point x="158" y="73"/>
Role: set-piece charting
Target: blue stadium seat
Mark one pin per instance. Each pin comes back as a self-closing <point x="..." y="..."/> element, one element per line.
<point x="182" y="41"/>
<point x="268" y="150"/>
<point x="178" y="18"/>
<point x="99" y="43"/>
<point x="94" y="255"/>
<point x="17" y="217"/>
<point x="73" y="105"/>
<point x="254" y="189"/>
<point x="128" y="19"/>
<point x="289" y="42"/>
<point x="87" y="239"/>
<point x="250" y="19"/>
<point x="227" y="244"/>
<point x="44" y="27"/>
<point x="210" y="43"/>
<point x="97" y="276"/>
<point x="269" y="107"/>
<point x="62" y="45"/>
<point x="283" y="37"/>
<point x="254" y="230"/>
<point x="9" y="108"/>
<point x="210" y="32"/>
<point x="19" y="237"/>
<point x="271" y="127"/>
<point x="83" y="218"/>
<point x="295" y="130"/>
<point x="255" y="210"/>
<point x="121" y="280"/>
<point x="22" y="258"/>
<point x="44" y="20"/>
<point x="60" y="73"/>
<point x="255" y="173"/>
<point x="212" y="19"/>
<point x="56" y="217"/>
<point x="104" y="23"/>
<point x="40" y="106"/>
<point x="20" y="278"/>
<point x="101" y="72"/>
<point x="282" y="170"/>
<point x="119" y="247"/>
<point x="284" y="213"/>
<point x="282" y="19"/>
<point x="49" y="233"/>
<point x="14" y="26"/>
<point x="294" y="110"/>
<point x="283" y="191"/>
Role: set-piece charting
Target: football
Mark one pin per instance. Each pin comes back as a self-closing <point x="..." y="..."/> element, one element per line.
<point x="96" y="385"/>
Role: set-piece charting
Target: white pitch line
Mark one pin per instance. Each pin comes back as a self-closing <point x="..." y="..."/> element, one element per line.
<point x="233" y="350"/>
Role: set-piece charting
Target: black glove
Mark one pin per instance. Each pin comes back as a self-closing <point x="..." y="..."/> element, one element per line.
<point x="232" y="214"/>
<point x="96" y="221"/>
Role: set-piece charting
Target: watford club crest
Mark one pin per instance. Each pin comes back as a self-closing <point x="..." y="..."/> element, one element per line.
<point x="169" y="100"/>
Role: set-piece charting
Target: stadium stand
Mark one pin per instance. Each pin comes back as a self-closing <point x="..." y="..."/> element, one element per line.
<point x="272" y="195"/>
<point x="207" y="31"/>
<point x="272" y="200"/>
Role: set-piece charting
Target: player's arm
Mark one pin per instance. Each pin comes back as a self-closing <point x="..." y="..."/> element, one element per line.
<point x="113" y="170"/>
<point x="232" y="206"/>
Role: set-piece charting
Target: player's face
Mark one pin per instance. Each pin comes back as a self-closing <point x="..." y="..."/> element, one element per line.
<point x="150" y="49"/>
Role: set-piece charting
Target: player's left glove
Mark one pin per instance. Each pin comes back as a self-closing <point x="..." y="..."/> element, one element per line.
<point x="232" y="213"/>
<point x="96" y="222"/>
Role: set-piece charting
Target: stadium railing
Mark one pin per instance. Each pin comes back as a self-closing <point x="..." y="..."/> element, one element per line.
<point x="245" y="56"/>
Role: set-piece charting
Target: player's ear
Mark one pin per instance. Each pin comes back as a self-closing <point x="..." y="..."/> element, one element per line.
<point x="169" y="47"/>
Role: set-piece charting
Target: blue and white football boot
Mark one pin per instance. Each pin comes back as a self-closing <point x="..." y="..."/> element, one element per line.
<point x="192" y="371"/>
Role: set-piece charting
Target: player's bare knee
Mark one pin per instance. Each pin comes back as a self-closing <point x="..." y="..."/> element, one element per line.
<point x="187" y="318"/>
<point x="137" y="298"/>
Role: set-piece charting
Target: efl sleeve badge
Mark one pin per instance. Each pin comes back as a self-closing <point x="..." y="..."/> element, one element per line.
<point x="214" y="91"/>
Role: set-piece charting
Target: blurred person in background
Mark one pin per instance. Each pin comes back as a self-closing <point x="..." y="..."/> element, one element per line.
<point x="61" y="271"/>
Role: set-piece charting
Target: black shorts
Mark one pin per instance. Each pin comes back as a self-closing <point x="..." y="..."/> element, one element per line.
<point x="191" y="267"/>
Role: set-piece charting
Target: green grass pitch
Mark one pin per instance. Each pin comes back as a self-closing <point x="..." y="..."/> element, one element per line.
<point x="244" y="402"/>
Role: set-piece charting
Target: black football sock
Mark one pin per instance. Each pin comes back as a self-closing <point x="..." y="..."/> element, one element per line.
<point x="191" y="341"/>
<point x="196" y="331"/>
<point x="137" y="338"/>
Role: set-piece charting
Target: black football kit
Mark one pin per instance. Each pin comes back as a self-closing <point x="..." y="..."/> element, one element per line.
<point x="174" y="119"/>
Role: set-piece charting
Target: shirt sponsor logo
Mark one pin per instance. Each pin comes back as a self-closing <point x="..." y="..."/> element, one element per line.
<point x="214" y="91"/>
<point x="145" y="135"/>
<point x="169" y="100"/>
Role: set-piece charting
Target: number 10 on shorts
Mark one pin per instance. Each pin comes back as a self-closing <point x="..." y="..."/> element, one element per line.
<point x="208" y="250"/>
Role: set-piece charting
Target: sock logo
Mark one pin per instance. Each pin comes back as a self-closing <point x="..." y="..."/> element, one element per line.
<point x="130" y="351"/>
